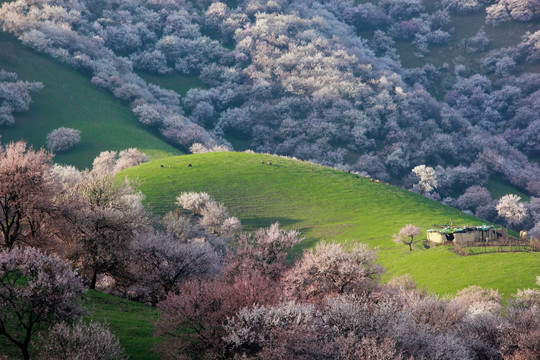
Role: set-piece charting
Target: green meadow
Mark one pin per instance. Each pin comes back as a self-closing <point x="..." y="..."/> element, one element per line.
<point x="69" y="99"/>
<point x="131" y="321"/>
<point x="328" y="204"/>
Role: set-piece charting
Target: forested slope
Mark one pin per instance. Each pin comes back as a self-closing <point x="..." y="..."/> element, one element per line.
<point x="320" y="80"/>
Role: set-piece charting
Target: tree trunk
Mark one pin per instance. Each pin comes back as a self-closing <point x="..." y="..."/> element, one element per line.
<point x="21" y="345"/>
<point x="26" y="354"/>
<point x="94" y="280"/>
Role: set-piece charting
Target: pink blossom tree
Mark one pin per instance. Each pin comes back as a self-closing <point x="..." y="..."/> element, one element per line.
<point x="192" y="323"/>
<point x="129" y="158"/>
<point x="264" y="251"/>
<point x="203" y="306"/>
<point x="104" y="163"/>
<point x="330" y="268"/>
<point x="406" y="235"/>
<point x="27" y="194"/>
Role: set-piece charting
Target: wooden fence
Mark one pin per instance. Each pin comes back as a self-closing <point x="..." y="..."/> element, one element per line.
<point x="512" y="244"/>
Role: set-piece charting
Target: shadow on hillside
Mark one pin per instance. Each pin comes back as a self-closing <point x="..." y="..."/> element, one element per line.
<point x="260" y="222"/>
<point x="307" y="243"/>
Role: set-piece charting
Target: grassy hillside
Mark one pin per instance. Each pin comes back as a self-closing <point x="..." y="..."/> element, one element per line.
<point x="498" y="187"/>
<point x="329" y="204"/>
<point x="69" y="99"/>
<point x="173" y="81"/>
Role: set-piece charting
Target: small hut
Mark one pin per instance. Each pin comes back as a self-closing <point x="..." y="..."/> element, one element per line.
<point x="467" y="234"/>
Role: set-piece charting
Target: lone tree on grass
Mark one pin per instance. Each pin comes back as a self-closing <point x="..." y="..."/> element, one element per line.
<point x="406" y="235"/>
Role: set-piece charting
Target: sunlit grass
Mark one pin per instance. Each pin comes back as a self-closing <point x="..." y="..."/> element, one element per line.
<point x="327" y="204"/>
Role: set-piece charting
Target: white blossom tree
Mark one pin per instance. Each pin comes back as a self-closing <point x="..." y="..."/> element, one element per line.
<point x="511" y="209"/>
<point x="214" y="216"/>
<point x="194" y="202"/>
<point x="129" y="158"/>
<point x="90" y="341"/>
<point x="428" y="178"/>
<point x="163" y="263"/>
<point x="63" y="139"/>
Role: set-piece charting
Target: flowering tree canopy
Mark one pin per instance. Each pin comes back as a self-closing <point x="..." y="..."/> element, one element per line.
<point x="36" y="291"/>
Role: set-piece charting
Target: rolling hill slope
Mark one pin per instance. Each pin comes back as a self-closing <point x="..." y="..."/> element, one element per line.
<point x="69" y="99"/>
<point x="324" y="203"/>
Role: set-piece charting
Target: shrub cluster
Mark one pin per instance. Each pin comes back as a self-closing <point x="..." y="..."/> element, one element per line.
<point x="14" y="96"/>
<point x="63" y="139"/>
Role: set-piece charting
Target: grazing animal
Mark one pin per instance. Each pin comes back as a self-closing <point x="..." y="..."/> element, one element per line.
<point x="262" y="161"/>
<point x="161" y="165"/>
<point x="377" y="181"/>
<point x="523" y="234"/>
<point x="269" y="163"/>
<point x="349" y="171"/>
<point x="189" y="165"/>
